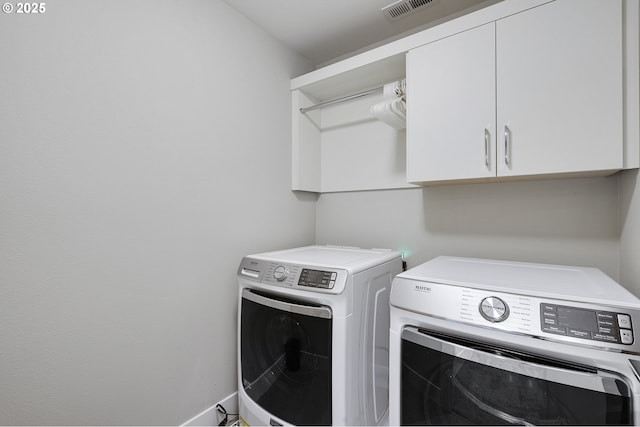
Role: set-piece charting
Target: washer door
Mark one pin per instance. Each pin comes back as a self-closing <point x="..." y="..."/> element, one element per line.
<point x="447" y="380"/>
<point x="285" y="359"/>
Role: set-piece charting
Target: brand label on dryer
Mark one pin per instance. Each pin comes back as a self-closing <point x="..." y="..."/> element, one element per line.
<point x="423" y="288"/>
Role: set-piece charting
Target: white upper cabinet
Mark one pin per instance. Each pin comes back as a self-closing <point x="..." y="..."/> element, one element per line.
<point x="538" y="92"/>
<point x="520" y="89"/>
<point x="451" y="107"/>
<point x="559" y="79"/>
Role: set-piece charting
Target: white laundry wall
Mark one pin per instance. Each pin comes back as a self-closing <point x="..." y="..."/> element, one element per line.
<point x="571" y="221"/>
<point x="630" y="230"/>
<point x="144" y="148"/>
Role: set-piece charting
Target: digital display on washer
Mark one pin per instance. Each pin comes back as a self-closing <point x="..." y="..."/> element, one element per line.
<point x="317" y="278"/>
<point x="586" y="324"/>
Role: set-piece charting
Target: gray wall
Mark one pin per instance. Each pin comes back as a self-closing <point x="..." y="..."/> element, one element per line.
<point x="572" y="221"/>
<point x="630" y="230"/>
<point x="144" y="146"/>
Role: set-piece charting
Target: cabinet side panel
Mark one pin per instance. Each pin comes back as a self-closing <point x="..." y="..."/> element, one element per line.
<point x="632" y="84"/>
<point x="305" y="144"/>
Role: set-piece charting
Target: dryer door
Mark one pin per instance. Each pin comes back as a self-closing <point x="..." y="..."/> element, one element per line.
<point x="447" y="380"/>
<point x="285" y="359"/>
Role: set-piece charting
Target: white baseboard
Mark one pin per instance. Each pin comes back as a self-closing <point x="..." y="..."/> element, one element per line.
<point x="209" y="417"/>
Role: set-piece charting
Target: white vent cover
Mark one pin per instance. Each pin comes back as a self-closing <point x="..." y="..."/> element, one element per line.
<point x="402" y="8"/>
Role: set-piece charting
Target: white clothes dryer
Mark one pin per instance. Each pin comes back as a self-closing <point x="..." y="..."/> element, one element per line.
<point x="313" y="336"/>
<point x="480" y="342"/>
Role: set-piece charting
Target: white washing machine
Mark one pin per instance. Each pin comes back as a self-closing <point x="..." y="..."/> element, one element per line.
<point x="313" y="336"/>
<point x="481" y="342"/>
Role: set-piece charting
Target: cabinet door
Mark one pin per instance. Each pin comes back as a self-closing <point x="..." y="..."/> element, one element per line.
<point x="451" y="107"/>
<point x="559" y="88"/>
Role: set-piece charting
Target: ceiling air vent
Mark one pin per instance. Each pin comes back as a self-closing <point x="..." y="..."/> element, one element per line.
<point x="402" y="8"/>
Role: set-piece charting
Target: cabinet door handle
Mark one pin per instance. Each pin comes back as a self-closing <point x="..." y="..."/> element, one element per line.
<point x="486" y="148"/>
<point x="507" y="145"/>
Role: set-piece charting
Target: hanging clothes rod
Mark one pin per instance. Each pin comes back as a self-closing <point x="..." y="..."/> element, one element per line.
<point x="338" y="100"/>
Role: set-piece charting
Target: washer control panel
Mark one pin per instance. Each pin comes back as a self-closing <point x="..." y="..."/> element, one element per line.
<point x="596" y="325"/>
<point x="293" y="276"/>
<point x="317" y="278"/>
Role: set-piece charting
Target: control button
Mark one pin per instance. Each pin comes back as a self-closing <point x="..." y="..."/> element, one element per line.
<point x="548" y="321"/>
<point x="550" y="315"/>
<point x="624" y="321"/>
<point x="548" y="308"/>
<point x="579" y="334"/>
<point x="334" y="276"/>
<point x="280" y="273"/>
<point x="606" y="331"/>
<point x="605" y="337"/>
<point x="605" y="316"/>
<point x="332" y="284"/>
<point x="626" y="336"/>
<point x="494" y="309"/>
<point x="605" y="323"/>
<point x="554" y="329"/>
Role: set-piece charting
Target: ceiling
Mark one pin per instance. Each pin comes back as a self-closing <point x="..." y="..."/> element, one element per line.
<point x="325" y="30"/>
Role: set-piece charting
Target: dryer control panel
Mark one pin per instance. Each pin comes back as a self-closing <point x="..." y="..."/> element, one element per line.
<point x="596" y="325"/>
<point x="573" y="305"/>
<point x="587" y="324"/>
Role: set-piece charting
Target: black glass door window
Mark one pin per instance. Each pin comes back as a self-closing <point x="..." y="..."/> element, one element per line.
<point x="286" y="358"/>
<point x="438" y="388"/>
